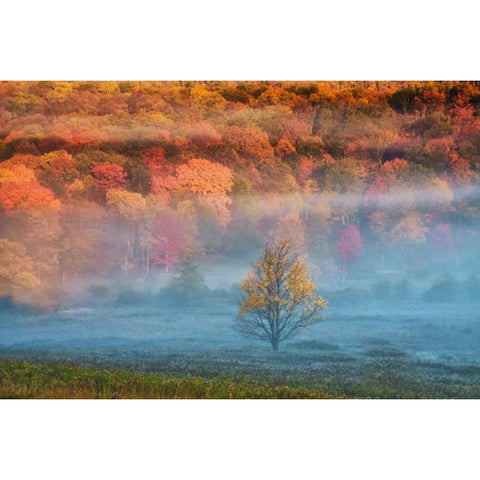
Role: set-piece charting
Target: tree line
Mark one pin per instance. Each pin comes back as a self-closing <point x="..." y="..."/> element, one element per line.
<point x="99" y="179"/>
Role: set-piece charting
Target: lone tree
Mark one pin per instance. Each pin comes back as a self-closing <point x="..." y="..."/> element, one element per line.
<point x="278" y="296"/>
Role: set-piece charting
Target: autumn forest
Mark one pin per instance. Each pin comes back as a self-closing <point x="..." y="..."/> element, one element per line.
<point x="104" y="178"/>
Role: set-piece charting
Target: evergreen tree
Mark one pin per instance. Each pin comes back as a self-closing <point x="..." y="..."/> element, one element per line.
<point x="189" y="285"/>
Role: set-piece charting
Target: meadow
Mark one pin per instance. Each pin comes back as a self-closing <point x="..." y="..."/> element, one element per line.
<point x="366" y="348"/>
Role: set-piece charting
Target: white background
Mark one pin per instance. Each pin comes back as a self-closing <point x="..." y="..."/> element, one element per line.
<point x="277" y="40"/>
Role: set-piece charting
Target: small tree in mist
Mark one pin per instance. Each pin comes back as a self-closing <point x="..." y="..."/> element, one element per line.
<point x="278" y="296"/>
<point x="189" y="285"/>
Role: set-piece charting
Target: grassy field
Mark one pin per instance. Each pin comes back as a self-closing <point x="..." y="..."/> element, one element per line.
<point x="22" y="380"/>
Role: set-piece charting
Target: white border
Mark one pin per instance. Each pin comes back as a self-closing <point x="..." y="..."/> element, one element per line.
<point x="302" y="40"/>
<point x="239" y="439"/>
<point x="248" y="40"/>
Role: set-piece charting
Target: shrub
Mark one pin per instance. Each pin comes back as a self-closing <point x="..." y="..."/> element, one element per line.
<point x="189" y="287"/>
<point x="472" y="287"/>
<point x="444" y="289"/>
<point x="6" y="304"/>
<point x="219" y="293"/>
<point x="349" y="295"/>
<point x="402" y="289"/>
<point x="128" y="296"/>
<point x="386" y="352"/>
<point x="381" y="289"/>
<point x="98" y="291"/>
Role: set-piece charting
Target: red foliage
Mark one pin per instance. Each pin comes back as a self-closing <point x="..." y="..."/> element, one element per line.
<point x="26" y="147"/>
<point x="444" y="144"/>
<point x="108" y="175"/>
<point x="163" y="184"/>
<point x="393" y="166"/>
<point x="459" y="169"/>
<point x="305" y="169"/>
<point x="59" y="164"/>
<point x="384" y="180"/>
<point x="295" y="130"/>
<point x="169" y="242"/>
<point x="379" y="187"/>
<point x="154" y="158"/>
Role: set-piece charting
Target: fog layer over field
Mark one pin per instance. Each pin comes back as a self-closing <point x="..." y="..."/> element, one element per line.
<point x="409" y="300"/>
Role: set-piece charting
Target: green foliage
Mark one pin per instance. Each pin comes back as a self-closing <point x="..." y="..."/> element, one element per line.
<point x="388" y="374"/>
<point x="445" y="289"/>
<point x="189" y="286"/>
<point x="131" y="296"/>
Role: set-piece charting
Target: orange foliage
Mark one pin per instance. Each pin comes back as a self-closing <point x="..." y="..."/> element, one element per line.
<point x="108" y="175"/>
<point x="26" y="196"/>
<point x="212" y="181"/>
<point x="249" y="142"/>
<point x="205" y="177"/>
<point x="29" y="161"/>
<point x="283" y="148"/>
<point x="305" y="169"/>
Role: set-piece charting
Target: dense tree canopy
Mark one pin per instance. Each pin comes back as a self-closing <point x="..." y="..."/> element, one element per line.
<point x="102" y="177"/>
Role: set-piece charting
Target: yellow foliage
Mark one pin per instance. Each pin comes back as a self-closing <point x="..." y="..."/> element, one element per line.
<point x="129" y="205"/>
<point x="16" y="268"/>
<point x="16" y="174"/>
<point x="279" y="296"/>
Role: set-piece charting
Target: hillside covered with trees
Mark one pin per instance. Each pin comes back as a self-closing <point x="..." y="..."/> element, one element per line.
<point x="103" y="180"/>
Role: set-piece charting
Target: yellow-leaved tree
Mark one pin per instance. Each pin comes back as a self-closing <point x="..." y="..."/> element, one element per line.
<point x="278" y="296"/>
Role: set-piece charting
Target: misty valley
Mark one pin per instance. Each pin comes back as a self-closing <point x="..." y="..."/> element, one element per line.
<point x="384" y="334"/>
<point x="239" y="239"/>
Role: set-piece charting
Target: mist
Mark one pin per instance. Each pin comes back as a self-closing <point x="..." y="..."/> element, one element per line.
<point x="409" y="300"/>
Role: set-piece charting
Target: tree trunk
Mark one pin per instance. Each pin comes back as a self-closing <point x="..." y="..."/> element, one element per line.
<point x="315" y="120"/>
<point x="148" y="261"/>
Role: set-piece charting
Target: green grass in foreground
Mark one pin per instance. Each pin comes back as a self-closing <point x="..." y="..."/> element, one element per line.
<point x="19" y="379"/>
<point x="24" y="380"/>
